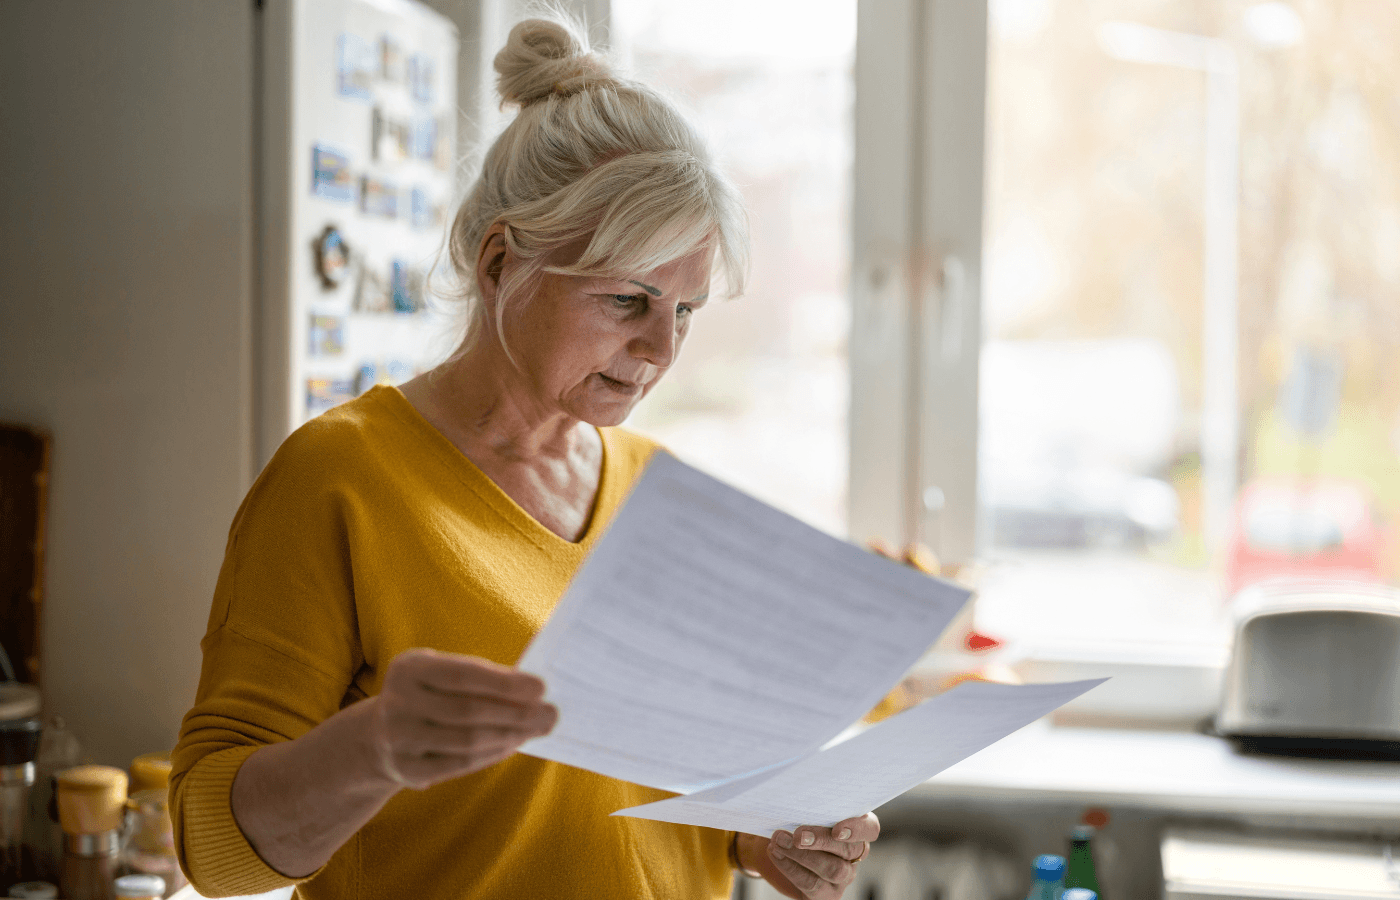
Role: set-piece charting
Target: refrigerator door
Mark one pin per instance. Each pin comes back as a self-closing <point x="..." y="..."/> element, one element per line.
<point x="357" y="188"/>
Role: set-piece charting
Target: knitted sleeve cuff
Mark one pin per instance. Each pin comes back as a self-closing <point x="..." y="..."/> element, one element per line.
<point x="218" y="858"/>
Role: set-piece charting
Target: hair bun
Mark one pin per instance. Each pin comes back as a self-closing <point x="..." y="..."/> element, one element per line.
<point x="546" y="56"/>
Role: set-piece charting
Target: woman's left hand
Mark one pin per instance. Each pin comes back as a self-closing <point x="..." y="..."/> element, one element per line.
<point x="817" y="863"/>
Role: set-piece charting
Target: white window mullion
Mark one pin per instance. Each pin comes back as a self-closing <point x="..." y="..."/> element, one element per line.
<point x="882" y="277"/>
<point x="917" y="223"/>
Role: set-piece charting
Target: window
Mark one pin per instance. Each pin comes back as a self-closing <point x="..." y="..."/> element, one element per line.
<point x="1192" y="279"/>
<point x="759" y="395"/>
<point x="1123" y="281"/>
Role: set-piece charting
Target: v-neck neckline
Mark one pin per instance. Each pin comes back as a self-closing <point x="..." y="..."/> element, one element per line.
<point x="502" y="503"/>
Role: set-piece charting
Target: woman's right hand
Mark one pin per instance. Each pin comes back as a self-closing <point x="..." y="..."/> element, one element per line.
<point x="441" y="715"/>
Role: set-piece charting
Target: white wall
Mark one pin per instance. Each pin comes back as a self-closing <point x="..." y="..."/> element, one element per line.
<point x="126" y="179"/>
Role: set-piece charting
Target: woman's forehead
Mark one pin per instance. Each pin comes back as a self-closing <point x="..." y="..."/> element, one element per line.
<point x="694" y="266"/>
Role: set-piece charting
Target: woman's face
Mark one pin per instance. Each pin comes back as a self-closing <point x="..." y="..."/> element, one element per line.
<point x="593" y="347"/>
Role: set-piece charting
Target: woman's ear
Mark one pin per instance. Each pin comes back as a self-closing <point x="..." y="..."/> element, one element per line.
<point x="490" y="262"/>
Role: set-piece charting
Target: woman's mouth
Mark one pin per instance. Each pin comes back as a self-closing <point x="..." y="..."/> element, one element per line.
<point x="627" y="388"/>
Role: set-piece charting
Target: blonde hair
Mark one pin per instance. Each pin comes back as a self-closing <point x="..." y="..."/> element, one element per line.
<point x="589" y="155"/>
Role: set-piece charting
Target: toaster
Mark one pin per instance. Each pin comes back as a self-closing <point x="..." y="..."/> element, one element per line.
<point x="1314" y="670"/>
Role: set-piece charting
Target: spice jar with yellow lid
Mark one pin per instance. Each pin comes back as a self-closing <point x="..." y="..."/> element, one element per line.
<point x="91" y="812"/>
<point x="150" y="771"/>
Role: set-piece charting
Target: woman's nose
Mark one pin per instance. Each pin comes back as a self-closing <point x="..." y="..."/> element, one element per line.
<point x="657" y="341"/>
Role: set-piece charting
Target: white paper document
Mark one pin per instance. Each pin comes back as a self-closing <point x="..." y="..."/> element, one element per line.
<point x="871" y="768"/>
<point x="711" y="645"/>
<point x="709" y="636"/>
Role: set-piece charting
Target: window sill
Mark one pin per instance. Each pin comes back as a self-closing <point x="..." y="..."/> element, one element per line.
<point x="1179" y="771"/>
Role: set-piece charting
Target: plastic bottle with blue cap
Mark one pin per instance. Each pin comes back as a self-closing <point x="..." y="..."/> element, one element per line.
<point x="1049" y="874"/>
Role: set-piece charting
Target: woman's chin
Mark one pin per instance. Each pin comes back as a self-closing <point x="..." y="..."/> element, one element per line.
<point x="605" y="417"/>
<point x="603" y="412"/>
<point x="604" y="406"/>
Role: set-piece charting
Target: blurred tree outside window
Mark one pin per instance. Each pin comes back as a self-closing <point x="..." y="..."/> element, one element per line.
<point x="1091" y="505"/>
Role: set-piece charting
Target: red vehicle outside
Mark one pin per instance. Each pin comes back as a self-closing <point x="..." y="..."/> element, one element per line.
<point x="1307" y="528"/>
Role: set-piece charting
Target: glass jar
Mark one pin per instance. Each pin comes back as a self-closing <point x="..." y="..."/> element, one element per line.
<point x="151" y="848"/>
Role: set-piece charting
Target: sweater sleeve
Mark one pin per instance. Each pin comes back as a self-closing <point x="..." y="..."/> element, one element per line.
<point x="280" y="652"/>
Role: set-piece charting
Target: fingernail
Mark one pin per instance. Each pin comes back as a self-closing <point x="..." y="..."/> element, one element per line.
<point x="783" y="838"/>
<point x="806" y="839"/>
<point x="845" y="833"/>
<point x="775" y="852"/>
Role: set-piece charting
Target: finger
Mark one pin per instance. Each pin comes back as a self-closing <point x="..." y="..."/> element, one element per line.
<point x="846" y="838"/>
<point x="820" y="840"/>
<point x="469" y="710"/>
<point x="420" y="771"/>
<point x="425" y="738"/>
<point x="453" y="673"/>
<point x="825" y="865"/>
<point x="804" y="879"/>
<point x="862" y="828"/>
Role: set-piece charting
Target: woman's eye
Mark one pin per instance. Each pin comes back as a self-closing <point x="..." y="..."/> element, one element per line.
<point x="628" y="301"/>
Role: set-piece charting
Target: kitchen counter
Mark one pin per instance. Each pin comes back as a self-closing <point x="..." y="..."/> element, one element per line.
<point x="1167" y="774"/>
<point x="1181" y="772"/>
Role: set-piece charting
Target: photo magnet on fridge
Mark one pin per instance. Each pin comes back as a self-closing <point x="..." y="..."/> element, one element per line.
<point x="324" y="393"/>
<point x="332" y="256"/>
<point x="391" y="60"/>
<point x="366" y="378"/>
<point x="422" y="213"/>
<point x="330" y="174"/>
<point x="420" y="77"/>
<point x="379" y="198"/>
<point x="442" y="144"/>
<point x="372" y="293"/>
<point x="424" y="137"/>
<point x="407" y="286"/>
<point x="356" y="67"/>
<point x="389" y="137"/>
<point x="326" y="336"/>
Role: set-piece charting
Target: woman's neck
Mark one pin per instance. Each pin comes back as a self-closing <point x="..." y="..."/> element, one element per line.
<point x="550" y="464"/>
<point x="482" y="403"/>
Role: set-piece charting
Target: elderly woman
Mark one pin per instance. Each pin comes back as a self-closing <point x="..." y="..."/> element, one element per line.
<point x="357" y="720"/>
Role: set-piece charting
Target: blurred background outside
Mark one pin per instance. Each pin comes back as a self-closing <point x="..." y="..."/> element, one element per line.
<point x="760" y="395"/>
<point x="1118" y="177"/>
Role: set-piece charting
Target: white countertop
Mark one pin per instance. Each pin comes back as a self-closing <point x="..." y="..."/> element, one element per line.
<point x="189" y="893"/>
<point x="1179" y="771"/>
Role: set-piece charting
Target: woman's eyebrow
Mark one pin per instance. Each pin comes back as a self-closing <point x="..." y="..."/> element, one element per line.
<point x="655" y="292"/>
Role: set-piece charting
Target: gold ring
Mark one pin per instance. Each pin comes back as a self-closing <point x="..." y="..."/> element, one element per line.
<point x="863" y="853"/>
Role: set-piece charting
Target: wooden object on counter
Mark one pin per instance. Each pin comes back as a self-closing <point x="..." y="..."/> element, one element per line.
<point x="88" y="877"/>
<point x="24" y="484"/>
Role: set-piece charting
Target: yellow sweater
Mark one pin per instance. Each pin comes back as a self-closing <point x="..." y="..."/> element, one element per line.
<point x="368" y="534"/>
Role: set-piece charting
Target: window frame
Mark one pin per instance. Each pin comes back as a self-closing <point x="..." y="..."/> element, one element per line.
<point x="916" y="272"/>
